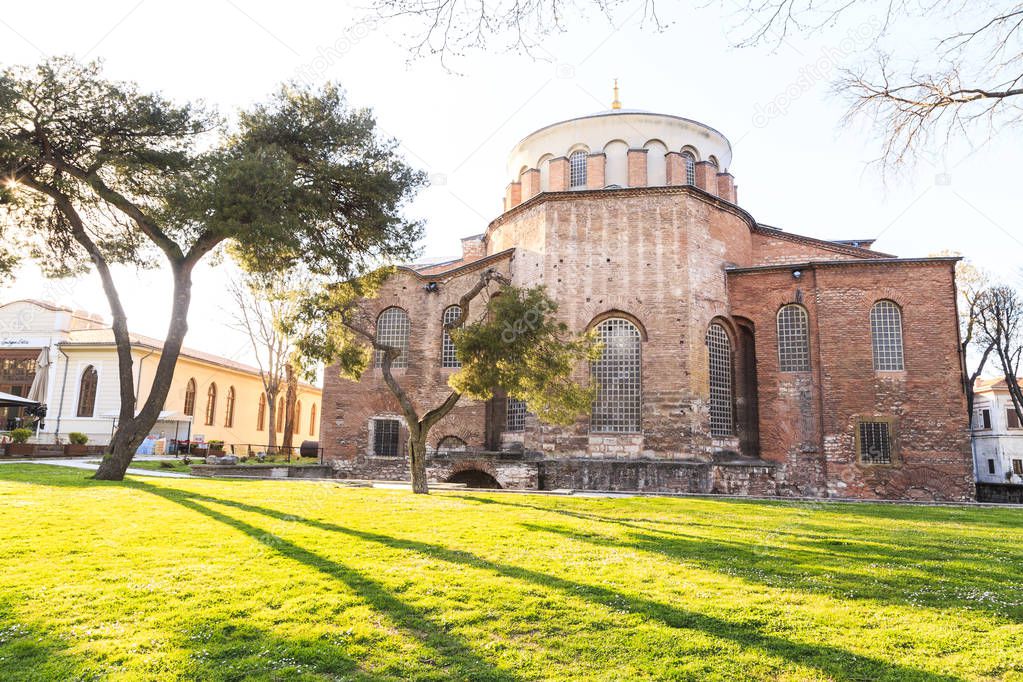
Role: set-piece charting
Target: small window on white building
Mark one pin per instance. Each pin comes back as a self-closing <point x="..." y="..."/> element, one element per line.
<point x="991" y="466"/>
<point x="577" y="169"/>
<point x="1011" y="418"/>
<point x="984" y="419"/>
<point x="1017" y="467"/>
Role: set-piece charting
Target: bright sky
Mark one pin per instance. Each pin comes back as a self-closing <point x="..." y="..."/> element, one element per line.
<point x="801" y="170"/>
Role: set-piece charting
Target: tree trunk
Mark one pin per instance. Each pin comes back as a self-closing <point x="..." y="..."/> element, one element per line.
<point x="132" y="428"/>
<point x="417" y="461"/>
<point x="271" y="401"/>
<point x="290" y="397"/>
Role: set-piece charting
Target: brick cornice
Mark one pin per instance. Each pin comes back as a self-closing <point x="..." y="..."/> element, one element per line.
<point x="822" y="243"/>
<point x="821" y="264"/>
<point x="460" y="269"/>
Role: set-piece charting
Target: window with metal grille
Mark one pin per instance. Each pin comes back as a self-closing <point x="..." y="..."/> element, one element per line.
<point x="385" y="437"/>
<point x="618" y="378"/>
<point x="886" y="336"/>
<point x="515" y="415"/>
<point x="874" y="442"/>
<point x="190" y="398"/>
<point x="211" y="404"/>
<point x="793" y="339"/>
<point x="393" y="330"/>
<point x="229" y="408"/>
<point x="577" y="169"/>
<point x="719" y="352"/>
<point x="87" y="392"/>
<point x="690" y="162"/>
<point x="448" y="357"/>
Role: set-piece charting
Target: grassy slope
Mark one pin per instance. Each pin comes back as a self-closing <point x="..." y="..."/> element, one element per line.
<point x="207" y="579"/>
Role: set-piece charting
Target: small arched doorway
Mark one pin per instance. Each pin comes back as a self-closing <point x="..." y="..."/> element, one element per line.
<point x="474" y="478"/>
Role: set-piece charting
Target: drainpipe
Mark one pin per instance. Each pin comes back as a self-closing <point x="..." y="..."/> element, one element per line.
<point x="63" y="388"/>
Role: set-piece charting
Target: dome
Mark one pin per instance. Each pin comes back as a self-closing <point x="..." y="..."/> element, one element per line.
<point x="613" y="133"/>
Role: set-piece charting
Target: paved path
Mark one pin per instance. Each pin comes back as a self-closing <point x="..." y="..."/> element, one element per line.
<point x="84" y="464"/>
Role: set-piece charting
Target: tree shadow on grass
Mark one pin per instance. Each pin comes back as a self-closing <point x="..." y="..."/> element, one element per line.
<point x="801" y="555"/>
<point x="30" y="653"/>
<point x="832" y="661"/>
<point x="453" y="656"/>
<point x="229" y="651"/>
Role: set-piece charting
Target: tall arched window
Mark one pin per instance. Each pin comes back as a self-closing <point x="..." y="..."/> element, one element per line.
<point x="393" y="330"/>
<point x="190" y="398"/>
<point x="312" y="420"/>
<point x="793" y="339"/>
<point x="617" y="376"/>
<point x="722" y="415"/>
<point x="280" y="415"/>
<point x="211" y="404"/>
<point x="448" y="357"/>
<point x="298" y="417"/>
<point x="87" y="392"/>
<point x="577" y="169"/>
<point x="261" y="412"/>
<point x="229" y="408"/>
<point x="886" y="336"/>
<point x="689" y="160"/>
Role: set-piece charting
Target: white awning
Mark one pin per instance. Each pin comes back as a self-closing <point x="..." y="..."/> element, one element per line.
<point x="165" y="416"/>
<point x="11" y="400"/>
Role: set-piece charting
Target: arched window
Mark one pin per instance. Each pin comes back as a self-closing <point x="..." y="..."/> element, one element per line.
<point x="261" y="412"/>
<point x="886" y="336"/>
<point x="448" y="357"/>
<point x="312" y="420"/>
<point x="690" y="163"/>
<point x="298" y="417"/>
<point x="577" y="169"/>
<point x="719" y="347"/>
<point x="393" y="330"/>
<point x="713" y="161"/>
<point x="190" y="398"/>
<point x="793" y="339"/>
<point x="618" y="378"/>
<point x="87" y="392"/>
<point x="211" y="404"/>
<point x="280" y="415"/>
<point x="229" y="408"/>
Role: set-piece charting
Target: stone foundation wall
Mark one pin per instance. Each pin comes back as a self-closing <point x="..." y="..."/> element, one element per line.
<point x="1000" y="492"/>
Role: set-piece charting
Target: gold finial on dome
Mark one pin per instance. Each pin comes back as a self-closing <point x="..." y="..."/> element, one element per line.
<point x="616" y="104"/>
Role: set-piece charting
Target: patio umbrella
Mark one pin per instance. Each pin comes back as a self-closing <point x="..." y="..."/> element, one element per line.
<point x="11" y="400"/>
<point x="37" y="393"/>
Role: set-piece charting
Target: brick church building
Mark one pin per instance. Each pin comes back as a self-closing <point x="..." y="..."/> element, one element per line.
<point x="738" y="358"/>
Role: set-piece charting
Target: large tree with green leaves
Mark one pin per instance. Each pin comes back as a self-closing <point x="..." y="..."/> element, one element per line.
<point x="512" y="342"/>
<point x="97" y="172"/>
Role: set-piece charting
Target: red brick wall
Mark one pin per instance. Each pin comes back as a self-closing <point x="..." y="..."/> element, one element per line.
<point x="771" y="249"/>
<point x="348" y="406"/>
<point x="807" y="420"/>
<point x="595" y="165"/>
<point x="637" y="168"/>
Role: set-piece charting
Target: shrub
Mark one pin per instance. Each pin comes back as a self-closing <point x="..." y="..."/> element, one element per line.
<point x="21" y="435"/>
<point x="77" y="438"/>
<point x="186" y="460"/>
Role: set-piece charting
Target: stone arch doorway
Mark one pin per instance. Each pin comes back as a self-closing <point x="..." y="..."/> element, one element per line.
<point x="474" y="478"/>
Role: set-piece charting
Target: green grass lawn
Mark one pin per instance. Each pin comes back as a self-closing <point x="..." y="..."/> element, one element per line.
<point x="275" y="580"/>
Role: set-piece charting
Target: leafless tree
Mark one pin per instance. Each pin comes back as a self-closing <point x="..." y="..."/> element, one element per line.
<point x="1001" y="325"/>
<point x="968" y="84"/>
<point x="260" y="308"/>
<point x="973" y="285"/>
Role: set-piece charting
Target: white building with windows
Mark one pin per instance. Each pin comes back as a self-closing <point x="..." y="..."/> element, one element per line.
<point x="997" y="434"/>
<point x="71" y="359"/>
